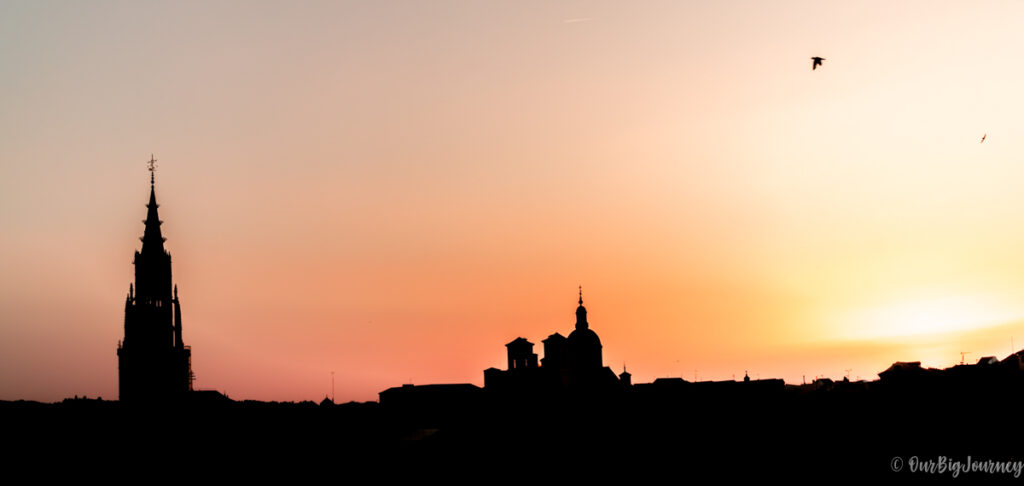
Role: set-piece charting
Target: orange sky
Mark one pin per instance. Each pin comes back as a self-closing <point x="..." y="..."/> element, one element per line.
<point x="394" y="191"/>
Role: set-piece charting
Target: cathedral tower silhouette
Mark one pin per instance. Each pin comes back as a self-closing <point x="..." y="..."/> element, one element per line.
<point x="153" y="362"/>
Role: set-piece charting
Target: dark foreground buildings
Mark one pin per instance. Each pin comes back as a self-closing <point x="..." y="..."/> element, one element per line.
<point x="153" y="362"/>
<point x="566" y="409"/>
<point x="567" y="405"/>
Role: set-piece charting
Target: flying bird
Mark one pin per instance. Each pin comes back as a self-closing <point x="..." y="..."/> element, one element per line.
<point x="983" y="138"/>
<point x="817" y="62"/>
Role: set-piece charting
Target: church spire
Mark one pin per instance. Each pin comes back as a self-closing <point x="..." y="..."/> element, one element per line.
<point x="152" y="239"/>
<point x="153" y="362"/>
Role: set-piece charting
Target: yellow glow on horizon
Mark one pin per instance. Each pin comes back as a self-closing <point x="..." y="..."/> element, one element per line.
<point x="929" y="315"/>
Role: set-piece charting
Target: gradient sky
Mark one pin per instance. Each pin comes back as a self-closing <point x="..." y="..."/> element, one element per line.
<point x="394" y="190"/>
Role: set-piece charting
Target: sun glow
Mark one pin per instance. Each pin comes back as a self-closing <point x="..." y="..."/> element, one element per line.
<point x="930" y="315"/>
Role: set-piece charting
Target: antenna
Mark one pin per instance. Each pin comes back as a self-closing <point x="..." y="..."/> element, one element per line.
<point x="962" y="353"/>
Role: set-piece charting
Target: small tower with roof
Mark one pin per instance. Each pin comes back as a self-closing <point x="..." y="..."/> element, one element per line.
<point x="584" y="345"/>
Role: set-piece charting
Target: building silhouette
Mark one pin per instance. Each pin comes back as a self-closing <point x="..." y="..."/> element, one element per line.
<point x="153" y="362"/>
<point x="569" y="363"/>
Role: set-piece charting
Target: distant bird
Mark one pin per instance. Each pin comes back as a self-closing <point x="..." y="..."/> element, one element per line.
<point x="817" y="62"/>
<point x="983" y="138"/>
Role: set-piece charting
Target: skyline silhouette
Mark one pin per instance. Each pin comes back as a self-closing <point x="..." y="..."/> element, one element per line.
<point x="155" y="365"/>
<point x="391" y="193"/>
<point x="153" y="274"/>
<point x="566" y="402"/>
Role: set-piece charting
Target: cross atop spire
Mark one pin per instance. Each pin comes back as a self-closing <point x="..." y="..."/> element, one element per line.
<point x="152" y="169"/>
<point x="581" y="295"/>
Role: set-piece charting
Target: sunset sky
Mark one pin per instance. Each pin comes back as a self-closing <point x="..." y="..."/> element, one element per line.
<point x="394" y="190"/>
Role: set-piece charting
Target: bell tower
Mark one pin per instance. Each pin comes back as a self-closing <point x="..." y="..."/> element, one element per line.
<point x="153" y="362"/>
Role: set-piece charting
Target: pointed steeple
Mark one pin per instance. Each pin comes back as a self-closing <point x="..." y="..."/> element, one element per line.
<point x="152" y="239"/>
<point x="153" y="262"/>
